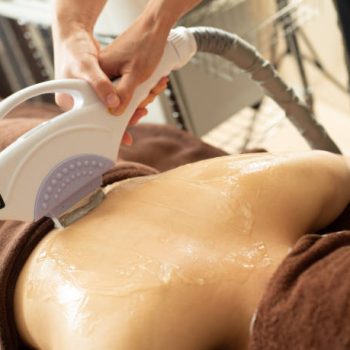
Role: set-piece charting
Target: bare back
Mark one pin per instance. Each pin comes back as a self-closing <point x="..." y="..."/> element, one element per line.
<point x="178" y="260"/>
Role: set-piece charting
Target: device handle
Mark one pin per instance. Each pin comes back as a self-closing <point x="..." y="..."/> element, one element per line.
<point x="80" y="91"/>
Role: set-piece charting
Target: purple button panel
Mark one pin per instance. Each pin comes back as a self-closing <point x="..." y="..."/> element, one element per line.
<point x="68" y="183"/>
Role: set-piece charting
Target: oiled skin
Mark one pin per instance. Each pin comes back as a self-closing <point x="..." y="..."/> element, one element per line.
<point x="178" y="260"/>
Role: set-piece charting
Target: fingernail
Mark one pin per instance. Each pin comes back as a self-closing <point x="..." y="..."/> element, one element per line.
<point x="115" y="111"/>
<point x="112" y="111"/>
<point x="128" y="140"/>
<point x="112" y="101"/>
<point x="119" y="112"/>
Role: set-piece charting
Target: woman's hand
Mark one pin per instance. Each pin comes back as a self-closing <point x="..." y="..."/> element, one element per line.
<point x="133" y="56"/>
<point x="77" y="57"/>
<point x="80" y="56"/>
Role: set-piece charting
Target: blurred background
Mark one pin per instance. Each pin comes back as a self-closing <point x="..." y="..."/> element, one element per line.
<point x="308" y="41"/>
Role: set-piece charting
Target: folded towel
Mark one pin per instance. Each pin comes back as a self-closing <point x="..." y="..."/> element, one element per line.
<point x="165" y="147"/>
<point x="307" y="302"/>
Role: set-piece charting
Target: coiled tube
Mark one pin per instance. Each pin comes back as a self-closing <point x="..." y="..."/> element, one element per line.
<point x="247" y="58"/>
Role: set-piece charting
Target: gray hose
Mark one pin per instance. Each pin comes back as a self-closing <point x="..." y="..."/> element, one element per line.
<point x="246" y="57"/>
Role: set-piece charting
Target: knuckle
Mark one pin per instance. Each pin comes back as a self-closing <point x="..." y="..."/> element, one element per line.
<point x="142" y="65"/>
<point x="64" y="72"/>
<point x="99" y="84"/>
<point x="84" y="65"/>
<point x="125" y="95"/>
<point x="138" y="66"/>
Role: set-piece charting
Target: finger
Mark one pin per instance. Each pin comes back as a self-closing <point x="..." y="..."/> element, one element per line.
<point x="64" y="101"/>
<point x="140" y="112"/>
<point x="149" y="99"/>
<point x="162" y="84"/>
<point x="158" y="89"/>
<point x="125" y="88"/>
<point x="102" y="85"/>
<point x="127" y="139"/>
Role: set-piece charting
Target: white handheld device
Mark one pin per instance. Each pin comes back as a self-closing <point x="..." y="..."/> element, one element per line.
<point x="53" y="166"/>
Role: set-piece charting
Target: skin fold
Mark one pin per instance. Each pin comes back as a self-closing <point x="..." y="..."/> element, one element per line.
<point x="177" y="260"/>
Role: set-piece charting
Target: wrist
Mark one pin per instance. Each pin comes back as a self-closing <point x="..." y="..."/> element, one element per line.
<point x="157" y="19"/>
<point x="65" y="26"/>
<point x="77" y="15"/>
<point x="165" y="13"/>
<point x="65" y="30"/>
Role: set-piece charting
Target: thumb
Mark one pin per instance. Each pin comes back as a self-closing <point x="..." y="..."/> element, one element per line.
<point x="125" y="88"/>
<point x="102" y="86"/>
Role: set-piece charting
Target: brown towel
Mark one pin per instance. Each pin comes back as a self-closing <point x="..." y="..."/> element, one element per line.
<point x="306" y="305"/>
<point x="34" y="110"/>
<point x="26" y="116"/>
<point x="165" y="147"/>
<point x="156" y="148"/>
